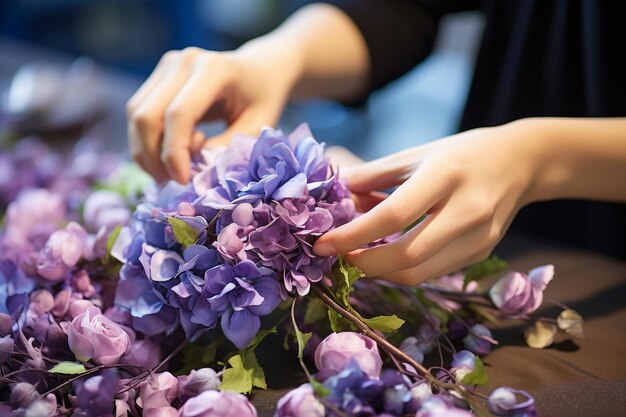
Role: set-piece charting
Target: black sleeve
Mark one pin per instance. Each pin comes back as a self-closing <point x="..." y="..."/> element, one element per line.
<point x="399" y="33"/>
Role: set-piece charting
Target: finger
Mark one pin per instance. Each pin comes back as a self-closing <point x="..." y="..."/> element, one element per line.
<point x="249" y="123"/>
<point x="341" y="157"/>
<point x="366" y="201"/>
<point x="417" y="196"/>
<point x="197" y="141"/>
<point x="152" y="81"/>
<point x="201" y="90"/>
<point x="147" y="123"/>
<point x="386" y="172"/>
<point x="420" y="243"/>
<point x="456" y="255"/>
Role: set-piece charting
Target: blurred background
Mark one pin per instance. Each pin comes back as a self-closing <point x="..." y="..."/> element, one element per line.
<point x="67" y="68"/>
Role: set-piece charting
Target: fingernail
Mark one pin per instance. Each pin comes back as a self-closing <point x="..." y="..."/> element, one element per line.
<point x="324" y="249"/>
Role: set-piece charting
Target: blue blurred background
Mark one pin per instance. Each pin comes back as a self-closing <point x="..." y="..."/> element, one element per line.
<point x="125" y="39"/>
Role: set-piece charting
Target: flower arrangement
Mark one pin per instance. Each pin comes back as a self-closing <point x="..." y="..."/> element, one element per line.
<point x="121" y="298"/>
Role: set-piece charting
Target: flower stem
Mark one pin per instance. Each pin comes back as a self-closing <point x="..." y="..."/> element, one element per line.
<point x="368" y="331"/>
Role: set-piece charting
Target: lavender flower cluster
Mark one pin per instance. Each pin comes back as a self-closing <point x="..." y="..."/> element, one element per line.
<point x="231" y="245"/>
<point x="350" y="371"/>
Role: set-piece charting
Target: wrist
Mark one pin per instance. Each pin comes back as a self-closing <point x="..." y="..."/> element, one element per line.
<point x="281" y="61"/>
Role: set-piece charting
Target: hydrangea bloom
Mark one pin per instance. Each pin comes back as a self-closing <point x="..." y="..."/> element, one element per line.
<point x="228" y="247"/>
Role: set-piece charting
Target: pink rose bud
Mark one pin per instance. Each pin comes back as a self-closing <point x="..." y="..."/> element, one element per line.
<point x="94" y="336"/>
<point x="519" y="294"/>
<point x="300" y="402"/>
<point x="334" y="353"/>
<point x="218" y="404"/>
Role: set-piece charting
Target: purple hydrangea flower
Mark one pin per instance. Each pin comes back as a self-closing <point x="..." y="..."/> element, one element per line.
<point x="240" y="294"/>
<point x="463" y="362"/>
<point x="62" y="252"/>
<point x="95" y="395"/>
<point x="105" y="209"/>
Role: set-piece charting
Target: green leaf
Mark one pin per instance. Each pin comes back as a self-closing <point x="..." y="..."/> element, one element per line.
<point x="260" y="336"/>
<point x="236" y="378"/>
<point x="68" y="368"/>
<point x="385" y="324"/>
<point x="111" y="241"/>
<point x="315" y="311"/>
<point x="540" y="334"/>
<point x="345" y="275"/>
<point x="195" y="355"/>
<point x="184" y="234"/>
<point x="480" y="270"/>
<point x="478" y="376"/>
<point x="243" y="374"/>
<point x="257" y="374"/>
<point x="338" y="323"/>
<point x="319" y="388"/>
<point x="571" y="322"/>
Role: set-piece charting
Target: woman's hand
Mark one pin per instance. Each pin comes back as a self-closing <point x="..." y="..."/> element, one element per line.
<point x="318" y="51"/>
<point x="195" y="85"/>
<point x="469" y="186"/>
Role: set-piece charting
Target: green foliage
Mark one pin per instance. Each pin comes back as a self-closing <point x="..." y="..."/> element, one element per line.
<point x="115" y="233"/>
<point x="244" y="373"/>
<point x="260" y="336"/>
<point x="315" y="311"/>
<point x="184" y="234"/>
<point x="345" y="275"/>
<point x="385" y="324"/>
<point x="338" y="323"/>
<point x="478" y="376"/>
<point x="480" y="270"/>
<point x="68" y="368"/>
<point x="195" y="356"/>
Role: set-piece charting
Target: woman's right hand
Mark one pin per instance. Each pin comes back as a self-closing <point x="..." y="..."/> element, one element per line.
<point x="244" y="88"/>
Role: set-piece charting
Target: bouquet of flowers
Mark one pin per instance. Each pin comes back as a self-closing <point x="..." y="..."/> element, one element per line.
<point x="121" y="298"/>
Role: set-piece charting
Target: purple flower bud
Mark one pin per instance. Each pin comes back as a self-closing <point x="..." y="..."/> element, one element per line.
<point x="95" y="395"/>
<point x="437" y="406"/>
<point x="519" y="294"/>
<point x="62" y="252"/>
<point x="196" y="382"/>
<point x="479" y="340"/>
<point x="411" y="347"/>
<point x="334" y="353"/>
<point x="158" y="391"/>
<point x="41" y="302"/>
<point x="105" y="209"/>
<point x="300" y="402"/>
<point x="463" y="362"/>
<point x="504" y="402"/>
<point x="144" y="353"/>
<point x="82" y="283"/>
<point x="94" y="336"/>
<point x="6" y="323"/>
<point x="22" y="394"/>
<point x="218" y="404"/>
<point x="7" y="345"/>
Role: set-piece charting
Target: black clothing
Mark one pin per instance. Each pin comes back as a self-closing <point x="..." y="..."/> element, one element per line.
<point x="537" y="58"/>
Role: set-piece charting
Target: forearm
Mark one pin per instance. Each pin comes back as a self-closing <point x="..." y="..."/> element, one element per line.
<point x="318" y="51"/>
<point x="578" y="158"/>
